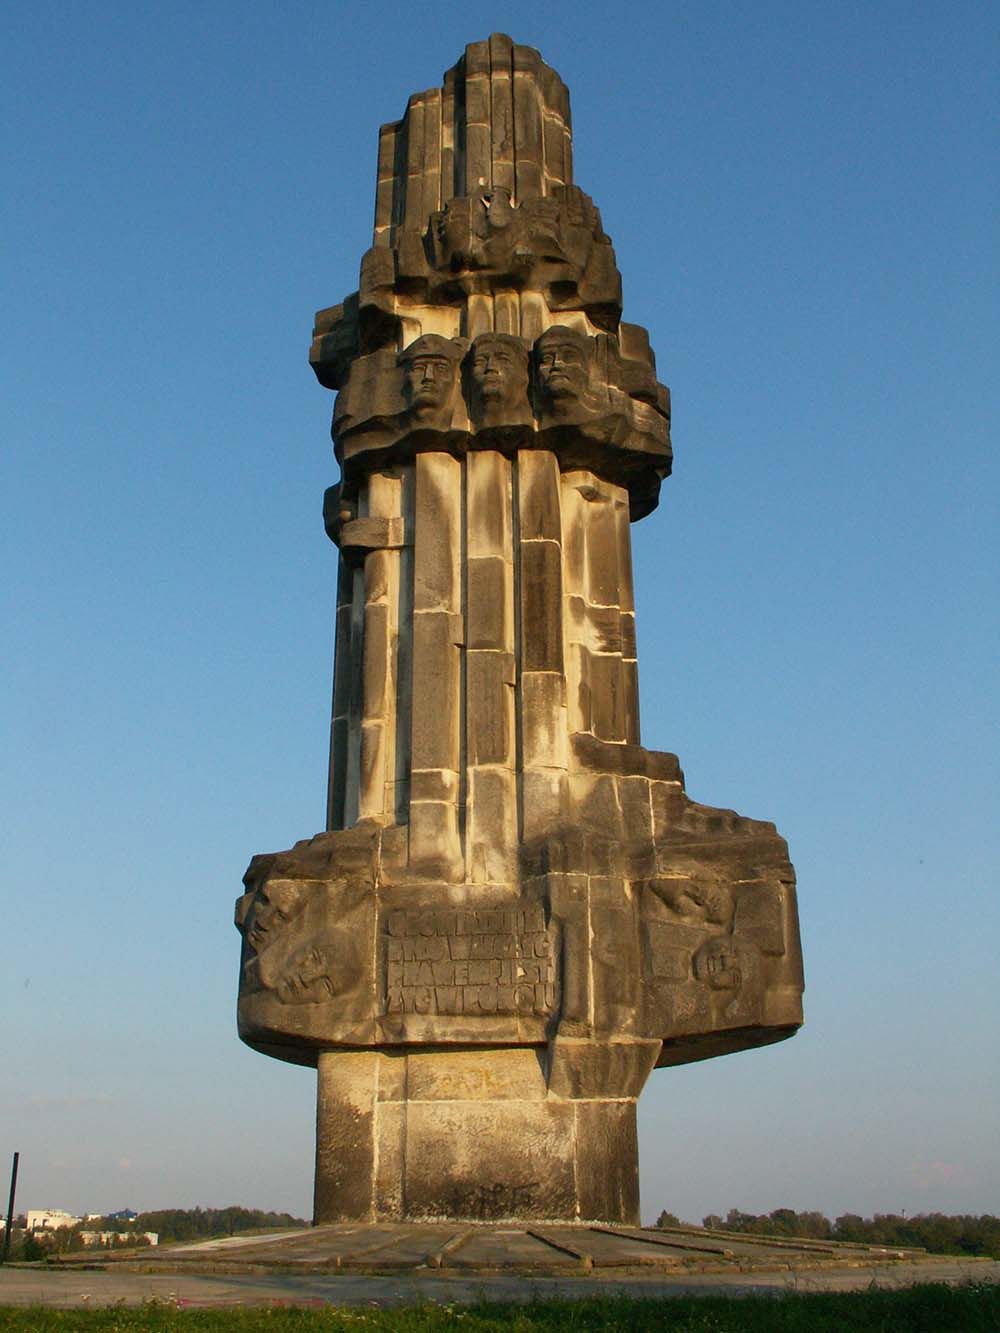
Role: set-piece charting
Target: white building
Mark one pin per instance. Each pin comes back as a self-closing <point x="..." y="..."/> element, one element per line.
<point x="51" y="1219"/>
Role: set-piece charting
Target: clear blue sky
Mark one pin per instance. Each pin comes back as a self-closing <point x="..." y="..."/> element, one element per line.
<point x="800" y="196"/>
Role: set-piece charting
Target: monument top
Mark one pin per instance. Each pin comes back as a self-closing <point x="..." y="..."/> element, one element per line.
<point x="500" y="122"/>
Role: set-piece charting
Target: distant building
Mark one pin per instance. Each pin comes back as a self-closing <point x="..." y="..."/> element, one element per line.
<point x="107" y="1237"/>
<point x="51" y="1219"/>
<point x="122" y="1215"/>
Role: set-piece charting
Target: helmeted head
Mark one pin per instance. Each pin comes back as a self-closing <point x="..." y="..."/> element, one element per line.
<point x="497" y="370"/>
<point x="430" y="377"/>
<point x="561" y="365"/>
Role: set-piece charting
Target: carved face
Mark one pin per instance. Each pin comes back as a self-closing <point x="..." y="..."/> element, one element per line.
<point x="561" y="364"/>
<point x="498" y="374"/>
<point x="319" y="972"/>
<point x="429" y="382"/>
<point x="271" y="908"/>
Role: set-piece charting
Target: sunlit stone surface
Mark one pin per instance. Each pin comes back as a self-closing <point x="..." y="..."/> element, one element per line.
<point x="515" y="913"/>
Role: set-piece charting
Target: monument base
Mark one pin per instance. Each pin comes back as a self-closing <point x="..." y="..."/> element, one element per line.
<point x="475" y="1134"/>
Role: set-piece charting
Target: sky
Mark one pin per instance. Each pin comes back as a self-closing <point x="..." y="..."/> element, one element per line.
<point x="800" y="197"/>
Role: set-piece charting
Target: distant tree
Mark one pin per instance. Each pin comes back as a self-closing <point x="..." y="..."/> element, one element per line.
<point x="934" y="1232"/>
<point x="668" y="1220"/>
<point x="183" y="1224"/>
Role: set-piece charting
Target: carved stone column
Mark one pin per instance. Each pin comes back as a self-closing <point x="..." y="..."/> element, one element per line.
<point x="516" y="912"/>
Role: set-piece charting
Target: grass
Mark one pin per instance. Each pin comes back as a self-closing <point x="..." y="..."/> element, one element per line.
<point x="929" y="1308"/>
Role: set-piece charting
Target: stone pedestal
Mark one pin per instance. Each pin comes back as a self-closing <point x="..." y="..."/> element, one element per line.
<point x="458" y="1133"/>
<point x="515" y="912"/>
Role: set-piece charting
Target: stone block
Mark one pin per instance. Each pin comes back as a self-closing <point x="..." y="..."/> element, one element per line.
<point x="574" y="534"/>
<point x="594" y="798"/>
<point x="390" y="1164"/>
<point x="637" y="811"/>
<point x="570" y="904"/>
<point x="607" y="697"/>
<point x="371" y="789"/>
<point x="391" y="1076"/>
<point x="337" y="785"/>
<point x="543" y="725"/>
<point x="577" y="691"/>
<point x="434" y="784"/>
<point x="491" y="825"/>
<point x="603" y="554"/>
<point x="485" y="1161"/>
<point x="630" y="693"/>
<point x="362" y="535"/>
<point x="490" y="708"/>
<point x="477" y="154"/>
<point x="376" y="663"/>
<point x="488" y="484"/>
<point x="668" y="802"/>
<point x="760" y="915"/>
<point x="581" y="1068"/>
<point x="436" y="667"/>
<point x="477" y="95"/>
<point x="511" y="1074"/>
<point x="527" y="131"/>
<point x="434" y="839"/>
<point x="379" y="567"/>
<point x="490" y="606"/>
<point x="345" y="1142"/>
<point x="541" y="606"/>
<point x="538" y="495"/>
<point x="614" y="957"/>
<point x="607" y="1155"/>
<point x="342" y="677"/>
<point x="437" y="540"/>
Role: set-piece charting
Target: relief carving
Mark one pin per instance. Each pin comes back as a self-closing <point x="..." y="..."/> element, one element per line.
<point x="323" y="970"/>
<point x="497" y="381"/>
<point x="431" y="380"/>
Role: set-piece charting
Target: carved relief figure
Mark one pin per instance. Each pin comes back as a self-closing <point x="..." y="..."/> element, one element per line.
<point x="561" y="375"/>
<point x="262" y="914"/>
<point x="497" y="377"/>
<point x="430" y="379"/>
<point x="323" y="970"/>
<point x="696" y="901"/>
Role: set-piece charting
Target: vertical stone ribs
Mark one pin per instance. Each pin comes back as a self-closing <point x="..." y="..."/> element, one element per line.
<point x="516" y="911"/>
<point x="501" y="120"/>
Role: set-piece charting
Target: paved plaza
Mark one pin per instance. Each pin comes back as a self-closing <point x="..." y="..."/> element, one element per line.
<point x="405" y="1265"/>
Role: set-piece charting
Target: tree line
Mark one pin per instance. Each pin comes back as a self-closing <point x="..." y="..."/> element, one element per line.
<point x="934" y="1232"/>
<point x="170" y="1224"/>
<point x="200" y="1223"/>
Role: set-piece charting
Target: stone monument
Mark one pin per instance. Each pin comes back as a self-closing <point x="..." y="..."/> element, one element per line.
<point x="515" y="913"/>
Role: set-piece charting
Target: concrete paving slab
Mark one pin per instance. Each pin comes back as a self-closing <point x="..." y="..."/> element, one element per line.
<point x="82" y="1288"/>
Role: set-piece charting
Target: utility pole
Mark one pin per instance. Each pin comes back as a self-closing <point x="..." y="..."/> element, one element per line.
<point x="10" y="1209"/>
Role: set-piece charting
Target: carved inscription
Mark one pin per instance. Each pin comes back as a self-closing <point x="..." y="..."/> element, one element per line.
<point x="466" y="961"/>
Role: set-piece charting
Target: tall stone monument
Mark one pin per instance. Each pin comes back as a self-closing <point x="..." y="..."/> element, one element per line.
<point x="515" y="913"/>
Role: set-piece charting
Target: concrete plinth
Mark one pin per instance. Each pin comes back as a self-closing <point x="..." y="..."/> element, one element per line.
<point x="472" y="1135"/>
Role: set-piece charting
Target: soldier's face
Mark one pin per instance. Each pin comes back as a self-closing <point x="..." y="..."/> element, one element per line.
<point x="273" y="907"/>
<point x="494" y="371"/>
<point x="562" y="369"/>
<point x="429" y="381"/>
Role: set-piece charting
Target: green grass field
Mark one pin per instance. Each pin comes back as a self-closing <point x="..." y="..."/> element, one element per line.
<point x="932" y="1308"/>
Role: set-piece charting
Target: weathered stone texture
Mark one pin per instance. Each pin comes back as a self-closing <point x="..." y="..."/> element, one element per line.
<point x="516" y="911"/>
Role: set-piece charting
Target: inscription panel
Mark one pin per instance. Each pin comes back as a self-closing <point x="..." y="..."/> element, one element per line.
<point x="469" y="961"/>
